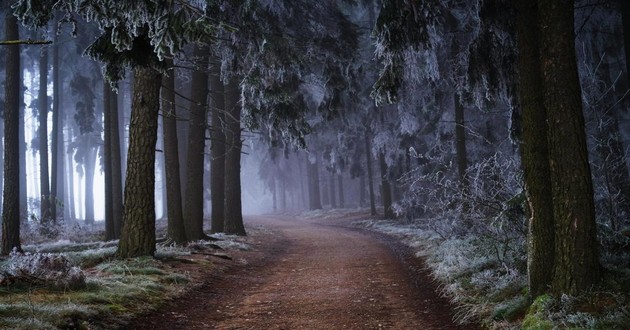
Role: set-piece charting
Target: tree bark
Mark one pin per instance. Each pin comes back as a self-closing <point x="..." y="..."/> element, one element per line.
<point x="138" y="232"/>
<point x="576" y="266"/>
<point x="331" y="188"/>
<point x="233" y="210"/>
<point x="625" y="18"/>
<point x="44" y="179"/>
<point x="193" y="204"/>
<point x="217" y="151"/>
<point x="534" y="154"/>
<point x="116" y="166"/>
<point x="176" y="230"/>
<point x="107" y="160"/>
<point x="11" y="191"/>
<point x="57" y="147"/>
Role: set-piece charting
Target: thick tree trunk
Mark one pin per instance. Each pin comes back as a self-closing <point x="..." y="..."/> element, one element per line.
<point x="11" y="190"/>
<point x="44" y="178"/>
<point x="217" y="151"/>
<point x="138" y="233"/>
<point x="386" y="192"/>
<point x="535" y="155"/>
<point x="368" y="154"/>
<point x="176" y="230"/>
<point x="362" y="190"/>
<point x="576" y="267"/>
<point x="193" y="204"/>
<point x="22" y="156"/>
<point x="233" y="211"/>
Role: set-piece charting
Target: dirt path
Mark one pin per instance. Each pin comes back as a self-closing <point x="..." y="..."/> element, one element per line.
<point x="312" y="274"/>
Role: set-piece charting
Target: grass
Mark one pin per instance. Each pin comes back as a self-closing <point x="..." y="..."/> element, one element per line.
<point x="493" y="291"/>
<point x="114" y="291"/>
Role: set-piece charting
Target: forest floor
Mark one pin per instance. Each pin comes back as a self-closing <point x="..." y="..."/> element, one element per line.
<point x="311" y="273"/>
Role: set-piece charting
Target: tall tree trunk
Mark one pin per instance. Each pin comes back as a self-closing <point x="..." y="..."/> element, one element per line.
<point x="138" y="232"/>
<point x="1" y="164"/>
<point x="11" y="191"/>
<point x="362" y="189"/>
<point x="274" y="194"/>
<point x="368" y="154"/>
<point x="386" y="192"/>
<point x="176" y="230"/>
<point x="193" y="204"/>
<point x="116" y="166"/>
<point x="233" y="211"/>
<point x="576" y="266"/>
<point x="71" y="208"/>
<point x="44" y="179"/>
<point x="107" y="160"/>
<point x="534" y="154"/>
<point x="217" y="151"/>
<point x="283" y="194"/>
<point x="57" y="147"/>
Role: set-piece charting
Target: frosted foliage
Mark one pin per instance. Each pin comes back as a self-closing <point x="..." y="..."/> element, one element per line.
<point x="314" y="90"/>
<point x="408" y="123"/>
<point x="47" y="269"/>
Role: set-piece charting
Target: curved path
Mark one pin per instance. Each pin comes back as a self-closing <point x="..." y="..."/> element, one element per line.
<point x="313" y="274"/>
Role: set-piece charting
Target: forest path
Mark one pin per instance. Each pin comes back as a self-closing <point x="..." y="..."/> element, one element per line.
<point x="312" y="274"/>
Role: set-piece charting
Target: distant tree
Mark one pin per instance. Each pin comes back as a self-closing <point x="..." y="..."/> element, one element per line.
<point x="42" y="108"/>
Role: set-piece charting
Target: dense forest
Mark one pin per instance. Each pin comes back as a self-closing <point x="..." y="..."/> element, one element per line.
<point x="497" y="129"/>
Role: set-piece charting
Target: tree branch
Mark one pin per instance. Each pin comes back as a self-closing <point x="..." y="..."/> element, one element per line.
<point x="25" y="42"/>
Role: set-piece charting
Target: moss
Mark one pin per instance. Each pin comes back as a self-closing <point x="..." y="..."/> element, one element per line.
<point x="512" y="310"/>
<point x="535" y="318"/>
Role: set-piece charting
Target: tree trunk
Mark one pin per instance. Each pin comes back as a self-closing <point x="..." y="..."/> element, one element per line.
<point x="233" y="210"/>
<point x="576" y="267"/>
<point x="331" y="188"/>
<point x="138" y="232"/>
<point x="176" y="230"/>
<point x="217" y="151"/>
<point x="342" y="199"/>
<point x="57" y="147"/>
<point x="193" y="204"/>
<point x="89" y="165"/>
<point x="315" y="202"/>
<point x="107" y="160"/>
<point x="44" y="179"/>
<point x="368" y="154"/>
<point x="386" y="192"/>
<point x="11" y="191"/>
<point x="116" y="166"/>
<point x="535" y="155"/>
<point x="362" y="190"/>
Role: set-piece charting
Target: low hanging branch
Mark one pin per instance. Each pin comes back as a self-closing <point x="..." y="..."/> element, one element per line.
<point x="25" y="42"/>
